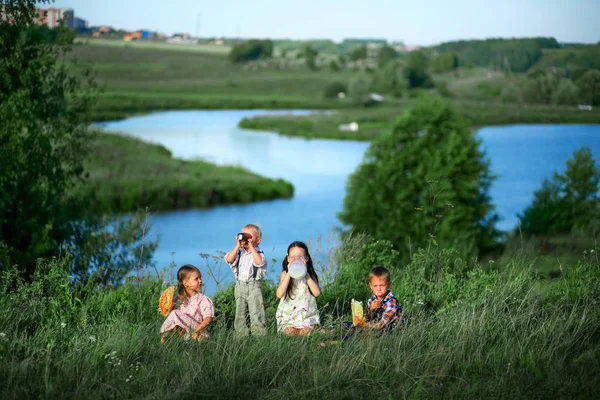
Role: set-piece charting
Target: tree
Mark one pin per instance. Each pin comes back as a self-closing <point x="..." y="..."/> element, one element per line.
<point x="540" y="86"/>
<point x="589" y="86"/>
<point x="251" y="50"/>
<point x="426" y="179"/>
<point x="359" y="88"/>
<point x="386" y="54"/>
<point x="566" y="93"/>
<point x="416" y="70"/>
<point x="446" y="61"/>
<point x="390" y="79"/>
<point x="43" y="143"/>
<point x="310" y="56"/>
<point x="567" y="202"/>
<point x="42" y="138"/>
<point x="359" y="53"/>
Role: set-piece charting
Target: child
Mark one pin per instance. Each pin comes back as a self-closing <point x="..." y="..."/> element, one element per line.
<point x="384" y="311"/>
<point x="249" y="265"/>
<point x="297" y="313"/>
<point x="192" y="317"/>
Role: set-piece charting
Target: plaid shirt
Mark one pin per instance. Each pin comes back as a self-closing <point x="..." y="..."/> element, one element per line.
<point x="387" y="315"/>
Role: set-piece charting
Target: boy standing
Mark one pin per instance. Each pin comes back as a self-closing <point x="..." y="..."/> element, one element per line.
<point x="384" y="311"/>
<point x="249" y="265"/>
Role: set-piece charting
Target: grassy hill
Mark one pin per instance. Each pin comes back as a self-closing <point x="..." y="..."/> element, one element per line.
<point x="140" y="79"/>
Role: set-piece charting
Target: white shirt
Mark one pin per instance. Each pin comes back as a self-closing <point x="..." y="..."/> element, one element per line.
<point x="245" y="269"/>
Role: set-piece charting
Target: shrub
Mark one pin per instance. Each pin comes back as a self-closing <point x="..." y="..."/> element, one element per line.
<point x="333" y="88"/>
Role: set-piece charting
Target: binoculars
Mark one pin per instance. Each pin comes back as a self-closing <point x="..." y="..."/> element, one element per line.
<point x="243" y="237"/>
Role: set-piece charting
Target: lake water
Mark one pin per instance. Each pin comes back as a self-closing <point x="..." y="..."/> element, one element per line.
<point x="520" y="155"/>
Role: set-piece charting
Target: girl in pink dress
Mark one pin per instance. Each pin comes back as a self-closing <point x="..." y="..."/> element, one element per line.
<point x="196" y="310"/>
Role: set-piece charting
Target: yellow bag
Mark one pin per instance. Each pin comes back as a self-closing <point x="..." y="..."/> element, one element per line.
<point x="357" y="309"/>
<point x="166" y="301"/>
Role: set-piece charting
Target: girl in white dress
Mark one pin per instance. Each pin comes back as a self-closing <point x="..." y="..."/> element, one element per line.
<point x="297" y="313"/>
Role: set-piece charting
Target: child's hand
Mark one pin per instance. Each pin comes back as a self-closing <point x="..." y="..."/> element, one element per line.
<point x="250" y="245"/>
<point x="376" y="304"/>
<point x="359" y="321"/>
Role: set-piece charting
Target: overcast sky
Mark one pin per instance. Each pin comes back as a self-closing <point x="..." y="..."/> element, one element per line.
<point x="422" y="22"/>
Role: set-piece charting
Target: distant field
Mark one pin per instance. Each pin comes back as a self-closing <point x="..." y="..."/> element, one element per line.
<point x="143" y="44"/>
<point x="141" y="79"/>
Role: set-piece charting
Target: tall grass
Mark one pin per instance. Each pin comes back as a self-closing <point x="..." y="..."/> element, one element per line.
<point x="502" y="335"/>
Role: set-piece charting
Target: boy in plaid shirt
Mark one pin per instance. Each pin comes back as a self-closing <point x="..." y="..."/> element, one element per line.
<point x="384" y="311"/>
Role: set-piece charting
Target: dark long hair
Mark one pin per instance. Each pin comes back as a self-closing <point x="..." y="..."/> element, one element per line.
<point x="310" y="270"/>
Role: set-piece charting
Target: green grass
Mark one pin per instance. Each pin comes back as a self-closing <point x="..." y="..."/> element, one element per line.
<point x="378" y="120"/>
<point x="137" y="80"/>
<point x="126" y="174"/>
<point x="503" y="334"/>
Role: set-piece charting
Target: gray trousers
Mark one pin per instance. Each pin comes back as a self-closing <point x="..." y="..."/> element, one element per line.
<point x="248" y="297"/>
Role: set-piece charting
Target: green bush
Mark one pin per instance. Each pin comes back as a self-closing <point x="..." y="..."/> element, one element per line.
<point x="333" y="88"/>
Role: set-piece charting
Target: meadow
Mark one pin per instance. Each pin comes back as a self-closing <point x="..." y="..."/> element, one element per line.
<point x="472" y="331"/>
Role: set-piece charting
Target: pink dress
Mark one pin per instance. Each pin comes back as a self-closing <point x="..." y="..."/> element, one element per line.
<point x="190" y="314"/>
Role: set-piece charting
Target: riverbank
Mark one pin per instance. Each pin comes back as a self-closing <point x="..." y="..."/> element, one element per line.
<point x="126" y="174"/>
<point x="375" y="121"/>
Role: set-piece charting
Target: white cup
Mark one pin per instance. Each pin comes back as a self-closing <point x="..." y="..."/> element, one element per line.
<point x="297" y="269"/>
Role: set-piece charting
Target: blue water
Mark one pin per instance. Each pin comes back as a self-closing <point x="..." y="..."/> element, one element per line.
<point x="520" y="155"/>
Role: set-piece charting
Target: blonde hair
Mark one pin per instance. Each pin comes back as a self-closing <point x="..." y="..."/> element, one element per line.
<point x="182" y="275"/>
<point x="380" y="272"/>
<point x="256" y="229"/>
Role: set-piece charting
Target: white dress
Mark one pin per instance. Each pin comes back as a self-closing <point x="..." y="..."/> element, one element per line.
<point x="299" y="310"/>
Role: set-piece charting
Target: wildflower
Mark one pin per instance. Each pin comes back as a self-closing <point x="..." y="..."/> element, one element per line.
<point x="128" y="379"/>
<point x="420" y="302"/>
<point x="92" y="339"/>
<point x="63" y="325"/>
<point x="3" y="336"/>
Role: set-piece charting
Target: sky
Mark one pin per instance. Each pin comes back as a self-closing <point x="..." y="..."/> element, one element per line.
<point x="415" y="22"/>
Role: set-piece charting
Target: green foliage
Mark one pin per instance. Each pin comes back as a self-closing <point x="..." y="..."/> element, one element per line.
<point x="385" y="55"/>
<point x="488" y="89"/>
<point x="106" y="249"/>
<point x="541" y="86"/>
<point x="506" y="334"/>
<point x="566" y="93"/>
<point x="416" y="70"/>
<point x="516" y="55"/>
<point x="589" y="86"/>
<point x="355" y="258"/>
<point x="310" y="56"/>
<point x="428" y="178"/>
<point x="359" y="53"/>
<point x="42" y="107"/>
<point x="569" y="60"/>
<point x="251" y="50"/>
<point x="334" y="66"/>
<point x="511" y="93"/>
<point x="324" y="46"/>
<point x="390" y="79"/>
<point x="359" y="89"/>
<point x="333" y="88"/>
<point x="441" y="88"/>
<point x="446" y="61"/>
<point x="568" y="202"/>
